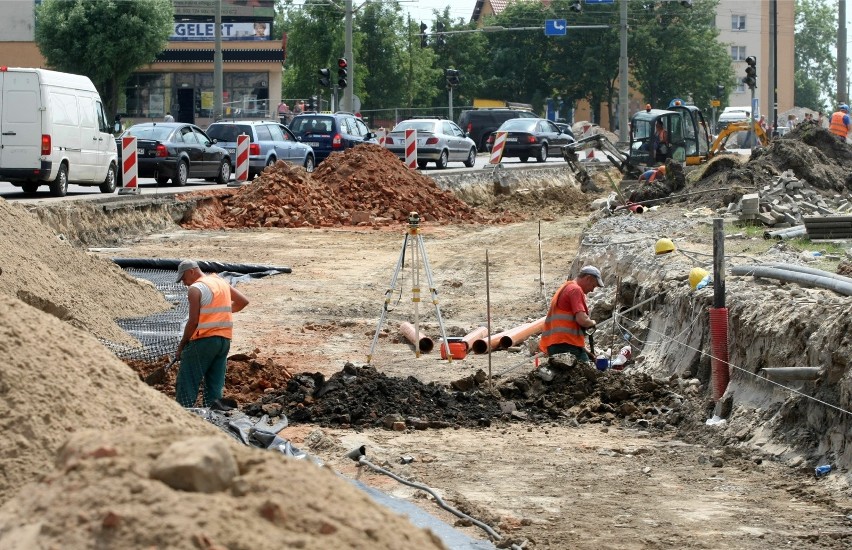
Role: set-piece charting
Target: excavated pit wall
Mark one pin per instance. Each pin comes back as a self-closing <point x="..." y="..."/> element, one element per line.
<point x="106" y="221"/>
<point x="771" y="324"/>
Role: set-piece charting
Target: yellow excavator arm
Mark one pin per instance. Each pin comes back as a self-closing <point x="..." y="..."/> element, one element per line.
<point x="718" y="144"/>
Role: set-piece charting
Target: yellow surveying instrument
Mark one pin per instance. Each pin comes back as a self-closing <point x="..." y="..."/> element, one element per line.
<point x="413" y="240"/>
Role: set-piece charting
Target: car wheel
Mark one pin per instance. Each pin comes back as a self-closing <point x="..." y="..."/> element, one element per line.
<point x="181" y="174"/>
<point x="224" y="172"/>
<point x="162" y="180"/>
<point x="542" y="153"/>
<point x="59" y="186"/>
<point x="270" y="162"/>
<point x="471" y="158"/>
<point x="309" y="164"/>
<point x="30" y="187"/>
<point x="443" y="160"/>
<point x="108" y="186"/>
<point x="421" y="164"/>
<point x="524" y="158"/>
<point x="483" y="145"/>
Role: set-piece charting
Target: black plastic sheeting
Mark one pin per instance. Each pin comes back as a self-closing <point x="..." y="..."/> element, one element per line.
<point x="205" y="265"/>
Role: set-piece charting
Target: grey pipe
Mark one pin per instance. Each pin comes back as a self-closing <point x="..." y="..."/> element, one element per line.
<point x="811" y="270"/>
<point x="791" y="373"/>
<point x="841" y="287"/>
<point x="786" y="233"/>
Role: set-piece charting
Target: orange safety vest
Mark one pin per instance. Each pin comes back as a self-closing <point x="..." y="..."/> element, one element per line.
<point x="836" y="125"/>
<point x="214" y="319"/>
<point x="560" y="326"/>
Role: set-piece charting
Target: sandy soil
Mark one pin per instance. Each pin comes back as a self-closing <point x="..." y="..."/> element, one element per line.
<point x="555" y="485"/>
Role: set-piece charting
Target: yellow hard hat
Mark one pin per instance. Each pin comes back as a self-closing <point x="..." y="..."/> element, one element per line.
<point x="696" y="275"/>
<point x="664" y="246"/>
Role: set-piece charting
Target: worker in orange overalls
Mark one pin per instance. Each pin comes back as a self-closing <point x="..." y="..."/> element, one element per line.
<point x="569" y="315"/>
<point x="203" y="350"/>
<point x="838" y="124"/>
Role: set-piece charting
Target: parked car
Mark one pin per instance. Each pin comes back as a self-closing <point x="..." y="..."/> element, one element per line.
<point x="177" y="151"/>
<point x="439" y="141"/>
<point x="481" y="123"/>
<point x="269" y="142"/>
<point x="329" y="132"/>
<point x="531" y="137"/>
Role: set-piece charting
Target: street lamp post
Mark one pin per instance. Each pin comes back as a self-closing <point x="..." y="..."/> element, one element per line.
<point x="217" y="62"/>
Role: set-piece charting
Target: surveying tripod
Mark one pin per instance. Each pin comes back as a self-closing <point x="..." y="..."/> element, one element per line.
<point x="414" y="240"/>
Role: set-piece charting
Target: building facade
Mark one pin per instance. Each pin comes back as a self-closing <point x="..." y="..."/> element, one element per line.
<point x="180" y="81"/>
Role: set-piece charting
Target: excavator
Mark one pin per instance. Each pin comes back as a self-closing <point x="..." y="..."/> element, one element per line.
<point x="689" y="140"/>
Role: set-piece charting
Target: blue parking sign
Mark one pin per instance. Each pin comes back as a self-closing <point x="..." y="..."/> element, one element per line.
<point x="555" y="27"/>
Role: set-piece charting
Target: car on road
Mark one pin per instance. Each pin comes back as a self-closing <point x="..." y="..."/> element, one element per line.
<point x="439" y="141"/>
<point x="481" y="123"/>
<point x="330" y="132"/>
<point x="177" y="151"/>
<point x="531" y="137"/>
<point x="269" y="142"/>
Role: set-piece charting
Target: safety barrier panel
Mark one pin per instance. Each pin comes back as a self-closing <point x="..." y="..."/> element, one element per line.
<point x="242" y="168"/>
<point x="411" y="149"/>
<point x="497" y="149"/>
<point x="129" y="167"/>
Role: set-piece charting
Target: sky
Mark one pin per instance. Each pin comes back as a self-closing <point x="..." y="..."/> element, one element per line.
<point x="422" y="9"/>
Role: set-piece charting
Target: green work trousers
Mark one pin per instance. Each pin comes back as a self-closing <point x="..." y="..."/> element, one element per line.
<point x="202" y="359"/>
<point x="576" y="351"/>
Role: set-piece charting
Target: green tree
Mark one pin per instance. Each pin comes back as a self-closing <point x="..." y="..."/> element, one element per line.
<point x="315" y="33"/>
<point x="816" y="66"/>
<point x="675" y="52"/>
<point x="103" y="39"/>
<point x="465" y="52"/>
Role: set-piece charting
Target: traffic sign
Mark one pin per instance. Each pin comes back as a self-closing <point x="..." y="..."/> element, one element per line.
<point x="715" y="103"/>
<point x="555" y="27"/>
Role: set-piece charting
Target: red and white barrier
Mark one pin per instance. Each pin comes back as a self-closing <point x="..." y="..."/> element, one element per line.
<point x="411" y="149"/>
<point x="497" y="149"/>
<point x="382" y="136"/>
<point x="129" y="167"/>
<point x="242" y="168"/>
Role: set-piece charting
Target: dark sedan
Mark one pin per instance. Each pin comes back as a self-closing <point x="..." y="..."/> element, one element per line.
<point x="531" y="137"/>
<point x="177" y="151"/>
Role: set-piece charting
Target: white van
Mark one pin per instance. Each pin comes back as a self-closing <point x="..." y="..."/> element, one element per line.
<point x="54" y="131"/>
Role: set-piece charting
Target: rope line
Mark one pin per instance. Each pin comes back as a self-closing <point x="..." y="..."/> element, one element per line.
<point x="755" y="375"/>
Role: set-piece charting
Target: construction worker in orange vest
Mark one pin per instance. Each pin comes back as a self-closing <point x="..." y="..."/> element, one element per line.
<point x="569" y="315"/>
<point x="203" y="350"/>
<point x="838" y="124"/>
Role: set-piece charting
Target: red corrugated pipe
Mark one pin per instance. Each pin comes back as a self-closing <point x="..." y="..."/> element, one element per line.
<point x="719" y="348"/>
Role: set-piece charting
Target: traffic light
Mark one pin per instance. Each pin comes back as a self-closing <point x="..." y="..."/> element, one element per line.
<point x="720" y="91"/>
<point x="576" y="6"/>
<point x="325" y="78"/>
<point x="312" y="103"/>
<point x="423" y="28"/>
<point x="442" y="40"/>
<point x="750" y="78"/>
<point x="453" y="77"/>
<point x="341" y="72"/>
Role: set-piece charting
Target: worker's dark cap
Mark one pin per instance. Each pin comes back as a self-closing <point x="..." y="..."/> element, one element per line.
<point x="185" y="266"/>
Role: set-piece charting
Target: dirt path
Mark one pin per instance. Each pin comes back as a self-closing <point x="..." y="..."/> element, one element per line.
<point x="555" y="485"/>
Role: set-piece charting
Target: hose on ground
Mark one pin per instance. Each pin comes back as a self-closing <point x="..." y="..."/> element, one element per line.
<point x="491" y="532"/>
<point x="821" y="281"/>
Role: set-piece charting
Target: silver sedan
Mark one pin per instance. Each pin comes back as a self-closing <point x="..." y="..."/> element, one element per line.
<point x="438" y="140"/>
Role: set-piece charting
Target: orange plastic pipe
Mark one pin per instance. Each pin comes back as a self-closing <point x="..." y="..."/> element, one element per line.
<point x="517" y="335"/>
<point x="482" y="345"/>
<point x="473" y="336"/>
<point x="426" y="343"/>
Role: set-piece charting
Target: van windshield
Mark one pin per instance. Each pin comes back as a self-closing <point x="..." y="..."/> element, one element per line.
<point x="159" y="133"/>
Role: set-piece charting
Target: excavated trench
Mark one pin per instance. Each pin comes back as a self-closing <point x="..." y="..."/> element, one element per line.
<point x="667" y="386"/>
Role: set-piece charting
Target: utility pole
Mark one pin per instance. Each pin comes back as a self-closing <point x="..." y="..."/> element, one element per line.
<point x="217" y="62"/>
<point x="842" y="91"/>
<point x="622" y="71"/>
<point x="347" y="92"/>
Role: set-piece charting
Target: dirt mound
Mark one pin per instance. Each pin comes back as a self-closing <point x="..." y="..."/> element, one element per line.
<point x="544" y="203"/>
<point x="812" y="154"/>
<point x="366" y="185"/>
<point x="88" y="292"/>
<point x="124" y="489"/>
<point x="364" y="397"/>
<point x="247" y="378"/>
